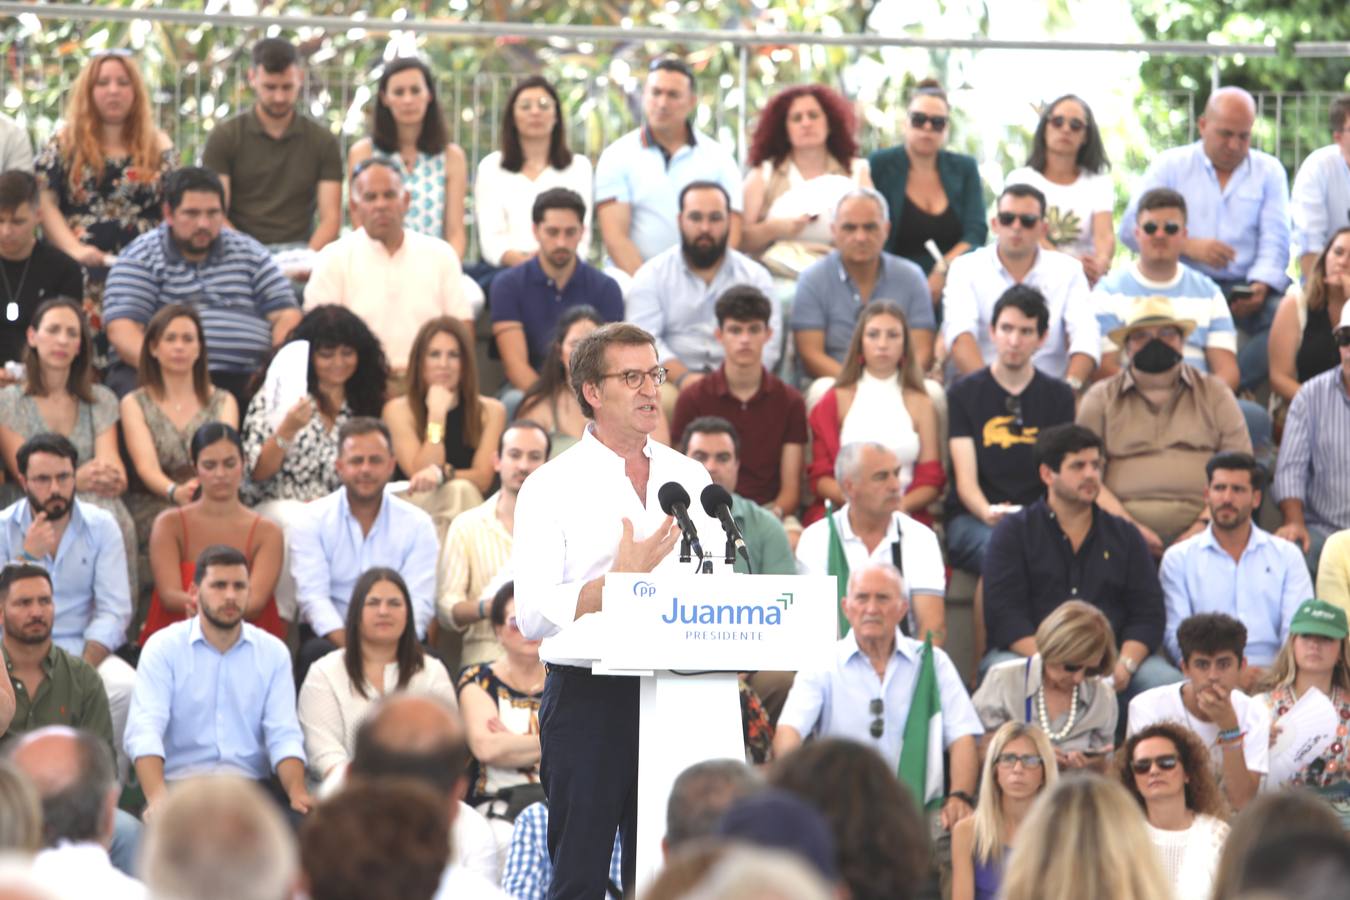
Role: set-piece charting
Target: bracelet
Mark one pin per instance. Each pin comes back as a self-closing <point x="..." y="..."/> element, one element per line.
<point x="282" y="444"/>
<point x="435" y="432"/>
<point x="962" y="796"/>
<point x="481" y="604"/>
<point x="30" y="557"/>
<point x="173" y="486"/>
<point x="1231" y="735"/>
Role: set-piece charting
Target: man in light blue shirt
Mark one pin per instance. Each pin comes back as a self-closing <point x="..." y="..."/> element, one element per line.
<point x="1320" y="201"/>
<point x="356" y="527"/>
<point x="1234" y="567"/>
<point x="214" y="694"/>
<point x="81" y="548"/>
<point x="1237" y="203"/>
<point x="866" y="696"/>
<point x="639" y="177"/>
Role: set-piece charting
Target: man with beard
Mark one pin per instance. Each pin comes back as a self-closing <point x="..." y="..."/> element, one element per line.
<point x="1067" y="547"/>
<point x="50" y="686"/>
<point x="214" y="695"/>
<point x="246" y="304"/>
<point x="529" y="299"/>
<point x="392" y="277"/>
<point x="1160" y="420"/>
<point x="81" y="552"/>
<point x="674" y="293"/>
<point x="279" y="168"/>
<point x="1236" y="568"/>
<point x="356" y="527"/>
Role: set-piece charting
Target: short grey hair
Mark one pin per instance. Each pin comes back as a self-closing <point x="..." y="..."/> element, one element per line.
<point x="877" y="566"/>
<point x="846" y="463"/>
<point x="871" y="194"/>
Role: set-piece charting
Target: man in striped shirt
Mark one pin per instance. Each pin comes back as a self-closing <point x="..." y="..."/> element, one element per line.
<point x="247" y="306"/>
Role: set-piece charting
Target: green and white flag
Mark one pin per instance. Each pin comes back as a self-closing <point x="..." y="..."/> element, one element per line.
<point x="837" y="565"/>
<point x="921" y="752"/>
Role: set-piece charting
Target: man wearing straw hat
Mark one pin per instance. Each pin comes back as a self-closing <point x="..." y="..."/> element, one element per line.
<point x="1160" y="420"/>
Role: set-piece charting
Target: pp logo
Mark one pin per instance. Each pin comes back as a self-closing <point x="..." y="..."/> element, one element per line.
<point x="644" y="589"/>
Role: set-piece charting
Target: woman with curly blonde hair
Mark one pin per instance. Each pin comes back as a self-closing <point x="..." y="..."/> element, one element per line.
<point x="102" y="174"/>
<point x="1166" y="767"/>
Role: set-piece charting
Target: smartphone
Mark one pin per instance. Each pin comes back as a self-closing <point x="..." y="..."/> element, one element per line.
<point x="1240" y="292"/>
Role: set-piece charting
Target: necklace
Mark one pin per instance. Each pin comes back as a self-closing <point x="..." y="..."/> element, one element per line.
<point x="1056" y="736"/>
<point x="12" y="297"/>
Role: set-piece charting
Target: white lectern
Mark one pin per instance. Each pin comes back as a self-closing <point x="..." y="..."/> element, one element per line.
<point x="686" y="637"/>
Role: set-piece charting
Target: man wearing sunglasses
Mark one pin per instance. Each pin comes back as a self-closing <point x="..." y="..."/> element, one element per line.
<point x="978" y="279"/>
<point x="1210" y="702"/>
<point x="1312" y="484"/>
<point x="1238" y="232"/>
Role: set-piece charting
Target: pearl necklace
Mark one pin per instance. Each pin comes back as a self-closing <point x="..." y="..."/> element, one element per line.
<point x="1056" y="736"/>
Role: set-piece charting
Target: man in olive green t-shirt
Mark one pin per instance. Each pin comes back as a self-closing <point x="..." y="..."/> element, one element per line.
<point x="43" y="684"/>
<point x="280" y="169"/>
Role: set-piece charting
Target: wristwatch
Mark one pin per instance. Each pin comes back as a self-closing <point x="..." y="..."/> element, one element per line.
<point x="1074" y="382"/>
<point x="1130" y="665"/>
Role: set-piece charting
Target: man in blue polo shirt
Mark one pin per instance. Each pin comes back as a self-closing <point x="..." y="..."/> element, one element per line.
<point x="528" y="299"/>
<point x="247" y="306"/>
<point x="639" y="177"/>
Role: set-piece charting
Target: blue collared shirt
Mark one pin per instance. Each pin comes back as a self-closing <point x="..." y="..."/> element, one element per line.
<point x="677" y="307"/>
<point x="207" y="712"/>
<point x="1250" y="214"/>
<point x="636" y="170"/>
<point x="329" y="553"/>
<point x="1262" y="589"/>
<point x="837" y="702"/>
<point x="1320" y="202"/>
<point x="827" y="299"/>
<point x="529" y="871"/>
<point x="89" y="574"/>
<point x="527" y="295"/>
<point x="1314" y="463"/>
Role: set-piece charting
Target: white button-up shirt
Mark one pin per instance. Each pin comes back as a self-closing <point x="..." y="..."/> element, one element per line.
<point x="569" y="519"/>
<point x="920" y="556"/>
<point x="393" y="293"/>
<point x="975" y="282"/>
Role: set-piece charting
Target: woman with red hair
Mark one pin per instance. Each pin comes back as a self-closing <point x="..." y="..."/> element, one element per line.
<point x="802" y="160"/>
<point x="102" y="174"/>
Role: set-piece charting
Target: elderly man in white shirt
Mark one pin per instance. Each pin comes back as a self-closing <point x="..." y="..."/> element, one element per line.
<point x="976" y="280"/>
<point x="866" y="695"/>
<point x="393" y="278"/>
<point x="591" y="511"/>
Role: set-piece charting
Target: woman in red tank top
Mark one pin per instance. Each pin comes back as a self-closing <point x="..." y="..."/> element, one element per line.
<point x="215" y="516"/>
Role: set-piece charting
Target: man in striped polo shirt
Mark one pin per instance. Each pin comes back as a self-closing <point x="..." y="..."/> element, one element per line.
<point x="247" y="306"/>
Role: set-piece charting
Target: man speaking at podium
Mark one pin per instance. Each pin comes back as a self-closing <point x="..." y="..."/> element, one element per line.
<point x="595" y="510"/>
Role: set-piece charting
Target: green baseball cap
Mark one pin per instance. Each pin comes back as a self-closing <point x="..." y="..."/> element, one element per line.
<point x="1319" y="617"/>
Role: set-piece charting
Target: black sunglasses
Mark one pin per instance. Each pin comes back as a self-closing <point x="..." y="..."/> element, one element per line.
<point x="1027" y="219"/>
<point x="876" y="708"/>
<point x="920" y="119"/>
<point x="1075" y="125"/>
<point x="1166" y="762"/>
<point x="1014" y="407"/>
<point x="1152" y="227"/>
<point x="1343" y="337"/>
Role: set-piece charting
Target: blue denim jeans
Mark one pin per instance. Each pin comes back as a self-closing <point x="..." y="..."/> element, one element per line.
<point x="967" y="537"/>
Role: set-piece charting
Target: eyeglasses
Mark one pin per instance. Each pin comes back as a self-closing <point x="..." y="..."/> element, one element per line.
<point x="1343" y="337"/>
<point x="1074" y="124"/>
<point x="1027" y="219"/>
<point x="876" y="708"/>
<point x="1028" y="760"/>
<point x="1151" y="228"/>
<point x="1167" y="763"/>
<point x="543" y="104"/>
<point x="1144" y="335"/>
<point x="920" y="119"/>
<point x="634" y="379"/>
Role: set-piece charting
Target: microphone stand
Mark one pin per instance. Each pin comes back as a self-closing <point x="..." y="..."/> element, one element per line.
<point x="685" y="554"/>
<point x="730" y="552"/>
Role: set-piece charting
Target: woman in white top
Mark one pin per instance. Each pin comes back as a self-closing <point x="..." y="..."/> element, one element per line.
<point x="1068" y="164"/>
<point x="802" y="160"/>
<point x="382" y="656"/>
<point x="534" y="157"/>
<point x="1167" y="769"/>
<point x="879" y="396"/>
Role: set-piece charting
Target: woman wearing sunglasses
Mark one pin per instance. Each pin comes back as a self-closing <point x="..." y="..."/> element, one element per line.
<point x="934" y="194"/>
<point x="500" y="702"/>
<point x="1068" y="164"/>
<point x="1016" y="770"/>
<point x="1061" y="688"/>
<point x="1167" y="769"/>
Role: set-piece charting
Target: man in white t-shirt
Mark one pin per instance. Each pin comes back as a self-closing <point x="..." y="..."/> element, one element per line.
<point x="1235" y="727"/>
<point x="872" y="528"/>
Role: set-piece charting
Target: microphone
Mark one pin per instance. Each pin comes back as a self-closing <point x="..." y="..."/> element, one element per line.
<point x="674" y="500"/>
<point x="717" y="503"/>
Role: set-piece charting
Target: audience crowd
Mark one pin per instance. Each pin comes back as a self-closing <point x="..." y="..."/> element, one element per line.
<point x="258" y="494"/>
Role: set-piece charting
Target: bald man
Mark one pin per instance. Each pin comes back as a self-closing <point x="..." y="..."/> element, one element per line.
<point x="1237" y="202"/>
<point x="74" y="775"/>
